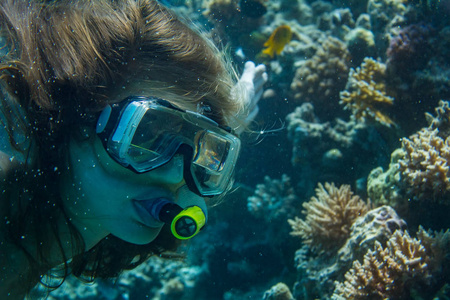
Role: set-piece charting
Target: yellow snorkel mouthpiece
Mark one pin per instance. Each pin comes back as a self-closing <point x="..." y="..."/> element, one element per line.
<point x="188" y="223"/>
<point x="184" y="223"/>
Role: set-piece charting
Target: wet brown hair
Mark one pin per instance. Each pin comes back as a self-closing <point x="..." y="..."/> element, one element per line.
<point x="66" y="61"/>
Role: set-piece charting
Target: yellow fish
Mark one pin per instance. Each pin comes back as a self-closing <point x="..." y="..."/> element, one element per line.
<point x="277" y="40"/>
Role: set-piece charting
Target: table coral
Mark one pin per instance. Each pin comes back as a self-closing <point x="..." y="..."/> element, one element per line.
<point x="386" y="272"/>
<point x="320" y="78"/>
<point x="329" y="216"/>
<point x="365" y="93"/>
<point x="425" y="167"/>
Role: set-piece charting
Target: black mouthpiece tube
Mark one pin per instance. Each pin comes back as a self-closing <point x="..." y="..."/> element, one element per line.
<point x="168" y="212"/>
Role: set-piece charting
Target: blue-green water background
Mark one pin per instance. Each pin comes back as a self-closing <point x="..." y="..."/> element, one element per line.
<point x="242" y="252"/>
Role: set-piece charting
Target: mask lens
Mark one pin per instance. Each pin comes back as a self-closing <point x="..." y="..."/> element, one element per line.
<point x="212" y="152"/>
<point x="155" y="141"/>
<point x="141" y="155"/>
<point x="212" y="165"/>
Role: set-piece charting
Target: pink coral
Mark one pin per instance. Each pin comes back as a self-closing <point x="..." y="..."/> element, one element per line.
<point x="409" y="49"/>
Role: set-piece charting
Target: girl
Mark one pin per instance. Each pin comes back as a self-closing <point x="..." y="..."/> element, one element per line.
<point x="117" y="118"/>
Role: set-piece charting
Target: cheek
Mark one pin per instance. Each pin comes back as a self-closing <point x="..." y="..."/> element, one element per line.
<point x="187" y="198"/>
<point x="93" y="194"/>
<point x="169" y="174"/>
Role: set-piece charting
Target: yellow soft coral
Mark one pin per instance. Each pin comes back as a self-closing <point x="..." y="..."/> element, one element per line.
<point x="425" y="167"/>
<point x="386" y="272"/>
<point x="329" y="217"/>
<point x="366" y="92"/>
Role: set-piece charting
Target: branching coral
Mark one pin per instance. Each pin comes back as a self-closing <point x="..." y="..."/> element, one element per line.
<point x="377" y="225"/>
<point x="365" y="93"/>
<point x="320" y="78"/>
<point x="437" y="245"/>
<point x="329" y="217"/>
<point x="386" y="272"/>
<point x="425" y="167"/>
<point x="442" y="119"/>
<point x="272" y="199"/>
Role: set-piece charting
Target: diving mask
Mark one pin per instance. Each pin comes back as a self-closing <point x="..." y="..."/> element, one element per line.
<point x="144" y="133"/>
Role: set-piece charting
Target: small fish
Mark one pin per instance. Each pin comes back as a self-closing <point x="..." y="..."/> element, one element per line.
<point x="277" y="40"/>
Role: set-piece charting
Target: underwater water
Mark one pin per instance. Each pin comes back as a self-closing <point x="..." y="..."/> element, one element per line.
<point x="342" y="188"/>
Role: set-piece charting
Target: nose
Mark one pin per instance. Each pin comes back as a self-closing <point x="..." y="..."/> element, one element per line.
<point x="171" y="172"/>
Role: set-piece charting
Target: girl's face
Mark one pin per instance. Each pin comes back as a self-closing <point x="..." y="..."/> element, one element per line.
<point x="101" y="197"/>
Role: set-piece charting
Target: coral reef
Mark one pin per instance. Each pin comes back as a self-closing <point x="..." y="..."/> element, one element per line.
<point x="321" y="150"/>
<point x="317" y="272"/>
<point x="425" y="167"/>
<point x="273" y="199"/>
<point x="155" y="279"/>
<point x="320" y="78"/>
<point x="437" y="245"/>
<point x="385" y="17"/>
<point x="329" y="216"/>
<point x="337" y="22"/>
<point x="405" y="267"/>
<point x="365" y="93"/>
<point x="231" y="24"/>
<point x="387" y="272"/>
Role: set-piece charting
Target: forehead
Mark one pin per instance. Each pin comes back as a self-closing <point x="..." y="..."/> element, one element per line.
<point x="147" y="88"/>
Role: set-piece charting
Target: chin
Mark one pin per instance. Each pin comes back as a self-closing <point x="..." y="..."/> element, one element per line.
<point x="138" y="234"/>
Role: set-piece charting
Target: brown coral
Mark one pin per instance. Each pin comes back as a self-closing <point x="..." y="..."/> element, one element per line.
<point x="329" y="217"/>
<point x="320" y="78"/>
<point x="386" y="273"/>
<point x="425" y="166"/>
<point x="279" y="291"/>
<point x="365" y="93"/>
